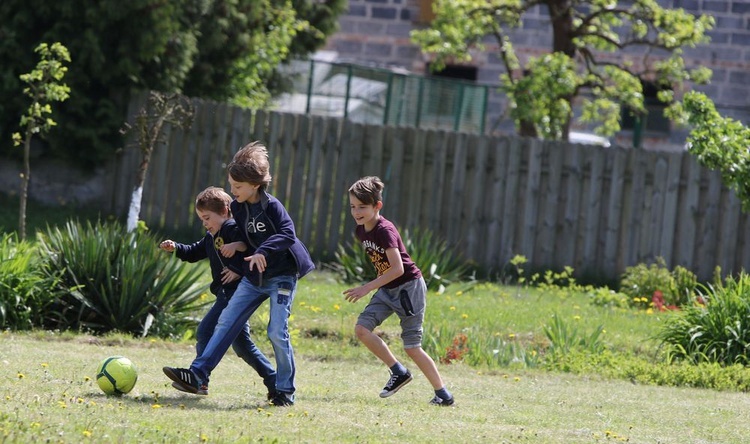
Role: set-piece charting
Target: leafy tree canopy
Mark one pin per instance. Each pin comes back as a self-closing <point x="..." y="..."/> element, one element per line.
<point x="216" y="49"/>
<point x="601" y="52"/>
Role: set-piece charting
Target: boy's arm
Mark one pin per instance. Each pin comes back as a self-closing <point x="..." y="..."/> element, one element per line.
<point x="393" y="273"/>
<point x="191" y="253"/>
<point x="228" y="250"/>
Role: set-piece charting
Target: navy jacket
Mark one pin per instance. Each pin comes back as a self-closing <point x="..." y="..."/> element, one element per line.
<point x="209" y="247"/>
<point x="268" y="229"/>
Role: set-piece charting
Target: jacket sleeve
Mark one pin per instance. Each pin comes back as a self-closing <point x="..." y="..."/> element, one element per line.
<point x="193" y="252"/>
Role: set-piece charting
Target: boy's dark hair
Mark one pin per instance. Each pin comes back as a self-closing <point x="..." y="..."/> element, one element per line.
<point x="250" y="164"/>
<point x="213" y="199"/>
<point x="368" y="190"/>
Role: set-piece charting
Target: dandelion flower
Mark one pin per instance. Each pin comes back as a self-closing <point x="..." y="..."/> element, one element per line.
<point x="44" y="364"/>
<point x="464" y="316"/>
<point x="87" y="433"/>
<point x="453" y="308"/>
<point x="156" y="406"/>
<point x="459" y="293"/>
<point x="516" y="379"/>
<point x="577" y="318"/>
<point x="336" y="307"/>
<point x="21" y="376"/>
<point x="511" y="335"/>
<point x="86" y="378"/>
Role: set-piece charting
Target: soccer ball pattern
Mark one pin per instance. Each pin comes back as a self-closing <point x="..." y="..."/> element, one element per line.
<point x="116" y="375"/>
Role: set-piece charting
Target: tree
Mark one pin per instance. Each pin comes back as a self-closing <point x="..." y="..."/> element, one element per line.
<point x="589" y="61"/>
<point x="719" y="143"/>
<point x="195" y="47"/>
<point x="44" y="87"/>
<point x="160" y="110"/>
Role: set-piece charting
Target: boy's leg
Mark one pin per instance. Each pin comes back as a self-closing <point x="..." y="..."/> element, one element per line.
<point x="247" y="350"/>
<point x="281" y="295"/>
<point x="380" y="307"/>
<point x="206" y="327"/>
<point x="246" y="299"/>
<point x="413" y="306"/>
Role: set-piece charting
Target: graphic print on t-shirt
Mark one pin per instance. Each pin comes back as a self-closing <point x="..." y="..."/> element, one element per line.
<point x="377" y="256"/>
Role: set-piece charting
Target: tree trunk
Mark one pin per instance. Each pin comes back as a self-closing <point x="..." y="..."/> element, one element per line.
<point x="24" y="186"/>
<point x="561" y="16"/>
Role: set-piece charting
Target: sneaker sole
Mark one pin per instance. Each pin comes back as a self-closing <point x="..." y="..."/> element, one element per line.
<point x="178" y="386"/>
<point x="395" y="389"/>
<point x="182" y="386"/>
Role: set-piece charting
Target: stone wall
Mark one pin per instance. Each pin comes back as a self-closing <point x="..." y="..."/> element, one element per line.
<point x="377" y="31"/>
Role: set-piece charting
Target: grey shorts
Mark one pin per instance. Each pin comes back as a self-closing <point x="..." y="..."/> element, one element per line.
<point x="408" y="302"/>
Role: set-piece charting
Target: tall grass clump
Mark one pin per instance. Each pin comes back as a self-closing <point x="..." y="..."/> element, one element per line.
<point x="441" y="265"/>
<point x="118" y="280"/>
<point x="25" y="292"/>
<point x="717" y="331"/>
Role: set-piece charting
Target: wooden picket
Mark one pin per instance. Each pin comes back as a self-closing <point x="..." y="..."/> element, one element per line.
<point x="598" y="210"/>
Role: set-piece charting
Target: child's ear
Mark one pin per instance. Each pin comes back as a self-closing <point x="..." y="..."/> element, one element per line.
<point x="379" y="205"/>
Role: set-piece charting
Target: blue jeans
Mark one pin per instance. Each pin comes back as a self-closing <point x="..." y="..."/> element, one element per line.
<point x="242" y="345"/>
<point x="246" y="299"/>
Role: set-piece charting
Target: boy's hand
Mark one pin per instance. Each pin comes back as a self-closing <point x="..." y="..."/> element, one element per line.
<point x="167" y="245"/>
<point x="228" y="250"/>
<point x="228" y="276"/>
<point x="257" y="261"/>
<point x="355" y="294"/>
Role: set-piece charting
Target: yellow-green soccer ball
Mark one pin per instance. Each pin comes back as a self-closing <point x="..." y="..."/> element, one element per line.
<point x="116" y="375"/>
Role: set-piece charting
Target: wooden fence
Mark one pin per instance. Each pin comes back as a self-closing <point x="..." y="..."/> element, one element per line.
<point x="595" y="209"/>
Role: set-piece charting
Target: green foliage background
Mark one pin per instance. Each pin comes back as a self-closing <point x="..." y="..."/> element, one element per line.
<point x="199" y="47"/>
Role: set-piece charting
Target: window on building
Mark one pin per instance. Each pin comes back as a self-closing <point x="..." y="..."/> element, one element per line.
<point x="654" y="122"/>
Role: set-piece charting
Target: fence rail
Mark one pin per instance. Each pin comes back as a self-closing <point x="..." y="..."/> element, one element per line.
<point x="594" y="209"/>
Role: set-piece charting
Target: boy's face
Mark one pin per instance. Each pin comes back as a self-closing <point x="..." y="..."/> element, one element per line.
<point x="211" y="221"/>
<point x="364" y="214"/>
<point x="244" y="191"/>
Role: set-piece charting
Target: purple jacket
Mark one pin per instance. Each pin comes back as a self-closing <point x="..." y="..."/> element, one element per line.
<point x="268" y="229"/>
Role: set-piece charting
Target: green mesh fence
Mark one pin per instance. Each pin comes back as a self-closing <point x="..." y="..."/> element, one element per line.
<point x="380" y="96"/>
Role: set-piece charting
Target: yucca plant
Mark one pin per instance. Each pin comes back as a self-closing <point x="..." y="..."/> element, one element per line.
<point x="118" y="280"/>
<point x="440" y="264"/>
<point x="25" y="293"/>
<point x="717" y="332"/>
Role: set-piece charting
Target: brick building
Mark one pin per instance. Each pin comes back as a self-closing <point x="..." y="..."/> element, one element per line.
<point x="377" y="32"/>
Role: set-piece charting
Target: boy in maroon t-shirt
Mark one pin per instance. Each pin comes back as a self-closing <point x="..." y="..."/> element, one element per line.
<point x="399" y="288"/>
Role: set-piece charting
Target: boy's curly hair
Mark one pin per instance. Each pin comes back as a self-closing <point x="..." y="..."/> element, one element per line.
<point x="250" y="164"/>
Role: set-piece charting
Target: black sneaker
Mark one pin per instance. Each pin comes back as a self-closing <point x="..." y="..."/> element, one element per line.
<point x="203" y="391"/>
<point x="271" y="394"/>
<point x="281" y="399"/>
<point x="186" y="380"/>
<point x="437" y="400"/>
<point x="395" y="383"/>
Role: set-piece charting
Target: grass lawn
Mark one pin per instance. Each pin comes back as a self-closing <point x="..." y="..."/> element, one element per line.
<point x="49" y="394"/>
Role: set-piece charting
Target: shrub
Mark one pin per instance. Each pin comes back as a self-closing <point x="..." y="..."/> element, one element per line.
<point x="25" y="293"/>
<point x="717" y="332"/>
<point x="440" y="264"/>
<point x="118" y="280"/>
<point x="642" y="281"/>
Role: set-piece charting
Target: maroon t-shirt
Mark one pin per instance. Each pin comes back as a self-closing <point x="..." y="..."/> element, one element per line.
<point x="376" y="242"/>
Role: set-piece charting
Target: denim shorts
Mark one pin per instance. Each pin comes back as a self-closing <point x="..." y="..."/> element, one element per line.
<point x="408" y="301"/>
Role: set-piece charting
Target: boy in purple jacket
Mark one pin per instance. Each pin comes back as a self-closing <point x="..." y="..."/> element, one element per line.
<point x="276" y="260"/>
